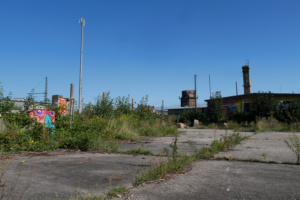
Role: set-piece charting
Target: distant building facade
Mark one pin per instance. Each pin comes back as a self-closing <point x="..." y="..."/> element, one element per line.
<point x="244" y="103"/>
<point x="179" y="110"/>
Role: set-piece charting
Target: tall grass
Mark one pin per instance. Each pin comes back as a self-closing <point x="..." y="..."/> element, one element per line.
<point x="272" y="124"/>
<point x="85" y="133"/>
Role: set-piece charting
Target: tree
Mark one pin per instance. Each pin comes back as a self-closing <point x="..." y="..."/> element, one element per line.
<point x="30" y="102"/>
<point x="215" y="109"/>
<point x="264" y="105"/>
<point x="122" y="106"/>
<point x="143" y="110"/>
<point x="102" y="107"/>
<point x="294" y="110"/>
<point x="6" y="103"/>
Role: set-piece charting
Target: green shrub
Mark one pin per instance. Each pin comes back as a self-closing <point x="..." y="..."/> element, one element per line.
<point x="215" y="109"/>
<point x="294" y="145"/>
<point x="18" y="119"/>
<point x="118" y="190"/>
<point x="189" y="116"/>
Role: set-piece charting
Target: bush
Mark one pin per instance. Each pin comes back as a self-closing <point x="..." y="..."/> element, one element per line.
<point x="242" y="117"/>
<point x="265" y="124"/>
<point x="6" y="103"/>
<point x="188" y="117"/>
<point x="215" y="109"/>
<point x="99" y="127"/>
<point x="18" y="119"/>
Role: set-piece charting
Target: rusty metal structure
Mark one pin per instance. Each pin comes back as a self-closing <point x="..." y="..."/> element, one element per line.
<point x="246" y="77"/>
<point x="188" y="98"/>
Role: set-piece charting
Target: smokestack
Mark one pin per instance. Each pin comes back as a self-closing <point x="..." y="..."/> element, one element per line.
<point x="103" y="96"/>
<point x="72" y="91"/>
<point x="132" y="104"/>
<point x="246" y="77"/>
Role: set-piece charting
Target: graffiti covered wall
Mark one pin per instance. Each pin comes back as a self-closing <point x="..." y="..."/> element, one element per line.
<point x="62" y="105"/>
<point x="46" y="117"/>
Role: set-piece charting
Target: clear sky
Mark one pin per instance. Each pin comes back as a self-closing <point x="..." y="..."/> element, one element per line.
<point x="149" y="47"/>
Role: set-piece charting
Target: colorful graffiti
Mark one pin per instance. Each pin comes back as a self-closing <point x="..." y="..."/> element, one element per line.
<point x="231" y="108"/>
<point x="46" y="117"/>
<point x="62" y="105"/>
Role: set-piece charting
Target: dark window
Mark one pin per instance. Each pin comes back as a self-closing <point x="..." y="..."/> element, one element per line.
<point x="247" y="107"/>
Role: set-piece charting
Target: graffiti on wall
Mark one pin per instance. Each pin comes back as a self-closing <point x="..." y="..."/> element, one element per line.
<point x="62" y="105"/>
<point x="231" y="108"/>
<point x="284" y="105"/>
<point x="46" y="117"/>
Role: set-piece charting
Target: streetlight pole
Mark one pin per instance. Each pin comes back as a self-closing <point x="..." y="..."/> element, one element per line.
<point x="82" y="22"/>
<point x="195" y="76"/>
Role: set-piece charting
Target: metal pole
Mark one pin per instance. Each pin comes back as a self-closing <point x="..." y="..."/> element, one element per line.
<point x="46" y="91"/>
<point x="236" y="89"/>
<point x="82" y="22"/>
<point x="162" y="109"/>
<point x="195" y="93"/>
<point x="209" y="87"/>
<point x="72" y="103"/>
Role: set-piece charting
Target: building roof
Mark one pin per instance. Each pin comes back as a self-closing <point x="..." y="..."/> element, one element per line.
<point x="186" y="108"/>
<point x="253" y="95"/>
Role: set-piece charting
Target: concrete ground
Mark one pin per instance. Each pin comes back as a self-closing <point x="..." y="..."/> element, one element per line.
<point x="188" y="141"/>
<point x="226" y="180"/>
<point x="267" y="146"/>
<point x="65" y="175"/>
<point x="73" y="174"/>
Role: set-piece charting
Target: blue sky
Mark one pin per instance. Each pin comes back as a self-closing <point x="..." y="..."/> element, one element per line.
<point x="149" y="47"/>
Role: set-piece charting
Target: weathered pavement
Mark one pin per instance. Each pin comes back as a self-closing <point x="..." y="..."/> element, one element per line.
<point x="65" y="176"/>
<point x="188" y="141"/>
<point x="266" y="146"/>
<point x="226" y="180"/>
<point x="219" y="179"/>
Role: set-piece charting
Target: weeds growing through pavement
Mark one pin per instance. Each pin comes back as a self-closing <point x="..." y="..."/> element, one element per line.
<point x="177" y="162"/>
<point x="294" y="145"/>
<point x="223" y="144"/>
<point x="139" y="151"/>
<point x="117" y="191"/>
<point x="163" y="169"/>
<point x="114" y="192"/>
<point x="264" y="155"/>
<point x="174" y="148"/>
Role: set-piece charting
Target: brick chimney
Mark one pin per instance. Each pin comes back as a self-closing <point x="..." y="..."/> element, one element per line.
<point x="246" y="77"/>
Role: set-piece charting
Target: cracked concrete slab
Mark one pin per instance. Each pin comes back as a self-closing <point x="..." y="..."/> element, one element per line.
<point x="266" y="146"/>
<point x="226" y="180"/>
<point x="76" y="174"/>
<point x="62" y="176"/>
<point x="189" y="140"/>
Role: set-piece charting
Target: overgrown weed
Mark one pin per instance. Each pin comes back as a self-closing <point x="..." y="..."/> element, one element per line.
<point x="294" y="145"/>
<point x="139" y="151"/>
<point x="117" y="191"/>
<point x="177" y="162"/>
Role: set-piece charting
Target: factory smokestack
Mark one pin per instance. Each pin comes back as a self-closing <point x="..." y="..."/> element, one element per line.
<point x="246" y="77"/>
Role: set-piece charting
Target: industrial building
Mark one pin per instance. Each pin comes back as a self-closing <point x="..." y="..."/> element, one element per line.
<point x="187" y="102"/>
<point x="243" y="103"/>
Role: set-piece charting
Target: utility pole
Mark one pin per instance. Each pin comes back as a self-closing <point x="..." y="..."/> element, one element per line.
<point x="195" y="76"/>
<point x="82" y="22"/>
<point x="46" y="91"/>
<point x="236" y="89"/>
<point x="209" y="87"/>
<point x="162" y="109"/>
